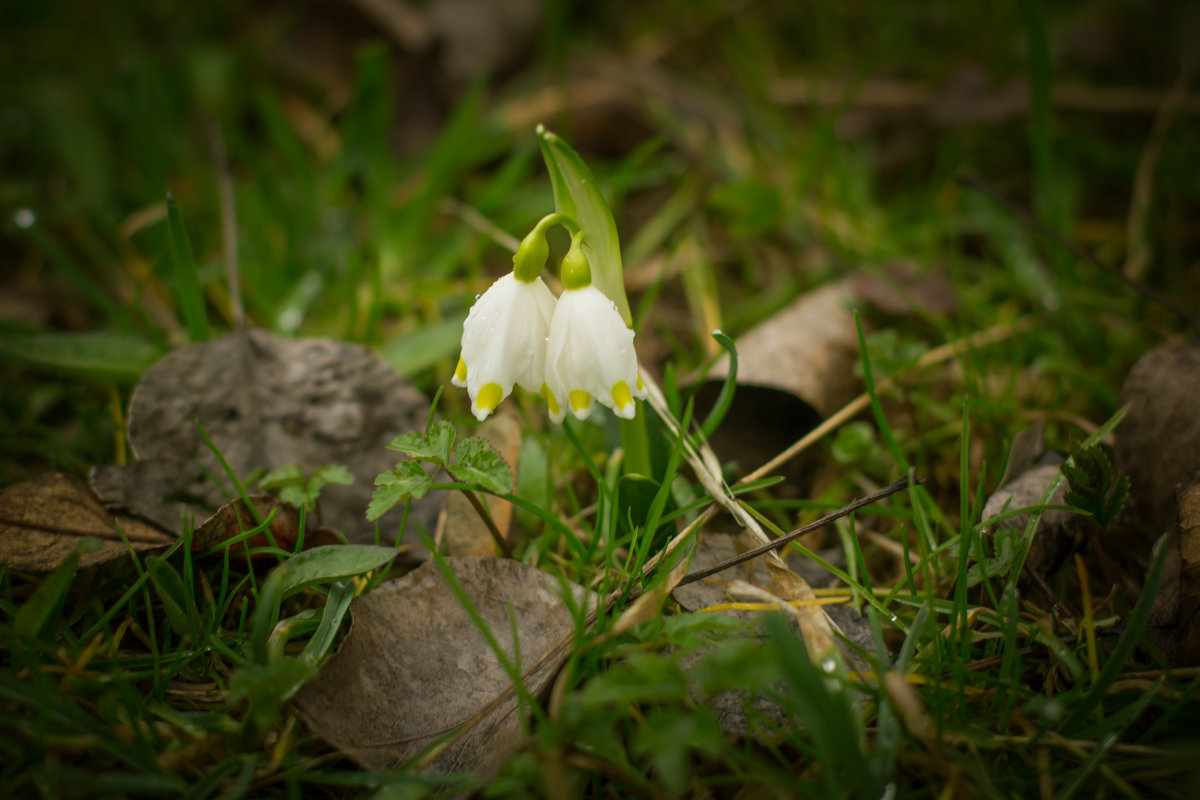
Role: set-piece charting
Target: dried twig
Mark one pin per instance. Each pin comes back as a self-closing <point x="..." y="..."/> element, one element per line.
<point x="874" y="497"/>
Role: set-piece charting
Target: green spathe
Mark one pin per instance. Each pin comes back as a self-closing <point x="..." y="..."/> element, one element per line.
<point x="577" y="195"/>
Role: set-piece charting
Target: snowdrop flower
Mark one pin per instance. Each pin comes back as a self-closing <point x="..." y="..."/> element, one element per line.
<point x="504" y="336"/>
<point x="590" y="356"/>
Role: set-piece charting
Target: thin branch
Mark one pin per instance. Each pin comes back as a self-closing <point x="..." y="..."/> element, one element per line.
<point x="874" y="497"/>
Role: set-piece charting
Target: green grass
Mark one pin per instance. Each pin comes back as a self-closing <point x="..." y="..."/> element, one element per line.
<point x="373" y="198"/>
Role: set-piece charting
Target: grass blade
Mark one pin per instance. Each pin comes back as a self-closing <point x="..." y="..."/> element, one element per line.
<point x="187" y="277"/>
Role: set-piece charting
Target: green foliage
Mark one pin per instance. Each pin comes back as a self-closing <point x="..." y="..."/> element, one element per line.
<point x="476" y="461"/>
<point x="47" y="601"/>
<point x="100" y="355"/>
<point x="753" y="205"/>
<point x="297" y="490"/>
<point x="472" y="461"/>
<point x="434" y="444"/>
<point x="1096" y="488"/>
<point x="187" y="280"/>
<point x="856" y="446"/>
<point x="577" y="194"/>
<point x="737" y="191"/>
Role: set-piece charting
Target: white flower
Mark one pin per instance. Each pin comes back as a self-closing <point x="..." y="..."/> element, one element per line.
<point x="504" y="342"/>
<point x="590" y="357"/>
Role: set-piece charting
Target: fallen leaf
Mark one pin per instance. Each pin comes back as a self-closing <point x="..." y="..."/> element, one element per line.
<point x="460" y="530"/>
<point x="264" y="401"/>
<point x="808" y="349"/>
<point x="1157" y="444"/>
<point x="1055" y="539"/>
<point x="1174" y="629"/>
<point x="901" y="288"/>
<point x="818" y="622"/>
<point x="42" y="519"/>
<point x="414" y="668"/>
<point x="1187" y="499"/>
<point x="714" y="547"/>
<point x="793" y="370"/>
<point x="1026" y="448"/>
<point x="234" y="517"/>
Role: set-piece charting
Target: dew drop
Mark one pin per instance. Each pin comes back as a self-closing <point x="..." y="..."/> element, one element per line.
<point x="24" y="218"/>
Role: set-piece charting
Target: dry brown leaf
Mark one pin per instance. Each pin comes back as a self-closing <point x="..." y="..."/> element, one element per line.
<point x="264" y="401"/>
<point x="714" y="547"/>
<point x="42" y="519"/>
<point x="460" y="530"/>
<point x="793" y="369"/>
<point x="910" y="708"/>
<point x="234" y="517"/>
<point x="1174" y="628"/>
<point x="1158" y="443"/>
<point x="1055" y="539"/>
<point x="414" y="668"/>
<point x="901" y="288"/>
<point x="808" y="349"/>
<point x="795" y="583"/>
<point x="1026" y="448"/>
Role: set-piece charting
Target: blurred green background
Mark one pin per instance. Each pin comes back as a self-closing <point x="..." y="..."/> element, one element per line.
<point x="380" y="156"/>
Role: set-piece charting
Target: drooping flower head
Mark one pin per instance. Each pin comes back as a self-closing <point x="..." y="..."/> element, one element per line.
<point x="589" y="356"/>
<point x="504" y="336"/>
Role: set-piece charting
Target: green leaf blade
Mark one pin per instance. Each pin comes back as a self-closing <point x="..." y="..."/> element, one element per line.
<point x="120" y="357"/>
<point x="330" y="563"/>
<point x="187" y="276"/>
<point x="578" y="195"/>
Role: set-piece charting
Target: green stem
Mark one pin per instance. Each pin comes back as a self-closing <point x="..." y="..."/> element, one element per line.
<point x="636" y="443"/>
<point x="558" y="218"/>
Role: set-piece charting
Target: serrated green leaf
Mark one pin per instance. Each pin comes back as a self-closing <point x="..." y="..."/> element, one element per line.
<point x="433" y="444"/>
<point x="476" y="461"/>
<point x="577" y="195"/>
<point x="334" y="473"/>
<point x="281" y="476"/>
<point x="409" y="480"/>
<point x="298" y="496"/>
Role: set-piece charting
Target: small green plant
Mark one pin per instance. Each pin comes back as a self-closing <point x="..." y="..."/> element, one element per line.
<point x="300" y="491"/>
<point x="473" y="463"/>
<point x="1096" y="489"/>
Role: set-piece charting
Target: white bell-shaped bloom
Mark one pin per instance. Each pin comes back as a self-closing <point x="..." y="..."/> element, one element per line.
<point x="590" y="357"/>
<point x="504" y="342"/>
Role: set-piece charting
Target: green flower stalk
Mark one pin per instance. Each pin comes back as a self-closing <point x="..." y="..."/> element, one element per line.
<point x="575" y="351"/>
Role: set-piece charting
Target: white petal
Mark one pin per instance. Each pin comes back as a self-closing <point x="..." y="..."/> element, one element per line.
<point x="591" y="351"/>
<point x="504" y="341"/>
